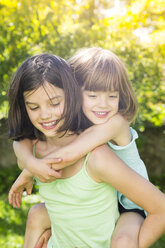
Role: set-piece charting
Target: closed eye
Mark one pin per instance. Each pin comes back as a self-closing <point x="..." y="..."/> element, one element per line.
<point x="35" y="108"/>
<point x="92" y="96"/>
<point x="113" y="96"/>
<point x="55" y="104"/>
<point x="32" y="106"/>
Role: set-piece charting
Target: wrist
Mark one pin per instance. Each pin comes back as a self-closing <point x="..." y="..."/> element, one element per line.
<point x="27" y="173"/>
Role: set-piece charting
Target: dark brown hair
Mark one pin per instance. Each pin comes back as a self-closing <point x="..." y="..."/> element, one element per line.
<point x="97" y="69"/>
<point x="32" y="74"/>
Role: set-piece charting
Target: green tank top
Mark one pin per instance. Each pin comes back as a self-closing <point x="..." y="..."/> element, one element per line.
<point x="83" y="212"/>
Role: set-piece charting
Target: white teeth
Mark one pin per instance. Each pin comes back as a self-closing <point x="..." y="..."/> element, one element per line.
<point x="49" y="124"/>
<point x="100" y="113"/>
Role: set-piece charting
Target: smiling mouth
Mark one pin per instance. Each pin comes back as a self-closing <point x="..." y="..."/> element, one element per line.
<point x="101" y="114"/>
<point x="50" y="124"/>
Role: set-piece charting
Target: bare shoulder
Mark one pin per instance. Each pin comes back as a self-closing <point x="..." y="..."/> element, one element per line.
<point x="100" y="160"/>
<point x="34" y="142"/>
<point x="97" y="153"/>
<point x="105" y="166"/>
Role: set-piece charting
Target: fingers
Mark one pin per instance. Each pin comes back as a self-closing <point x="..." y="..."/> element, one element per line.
<point x="43" y="240"/>
<point x="47" y="178"/>
<point x="47" y="233"/>
<point x="45" y="245"/>
<point x="10" y="197"/>
<point x="53" y="160"/>
<point x="15" y="199"/>
<point x="40" y="242"/>
<point x="55" y="173"/>
<point x="18" y="198"/>
<point x="29" y="189"/>
<point x="47" y="174"/>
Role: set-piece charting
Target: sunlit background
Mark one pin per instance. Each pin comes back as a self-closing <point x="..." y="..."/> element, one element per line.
<point x="134" y="30"/>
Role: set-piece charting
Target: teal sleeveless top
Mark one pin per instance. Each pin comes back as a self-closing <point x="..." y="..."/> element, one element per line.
<point x="83" y="212"/>
<point x="130" y="155"/>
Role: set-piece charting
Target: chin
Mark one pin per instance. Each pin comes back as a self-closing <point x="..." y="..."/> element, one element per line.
<point x="51" y="133"/>
<point x="101" y="121"/>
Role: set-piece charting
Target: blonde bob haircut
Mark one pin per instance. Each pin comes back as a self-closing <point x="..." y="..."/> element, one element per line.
<point x="97" y="69"/>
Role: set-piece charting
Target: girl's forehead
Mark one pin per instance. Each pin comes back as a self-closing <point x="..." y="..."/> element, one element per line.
<point x="102" y="86"/>
<point x="107" y="92"/>
<point x="47" y="89"/>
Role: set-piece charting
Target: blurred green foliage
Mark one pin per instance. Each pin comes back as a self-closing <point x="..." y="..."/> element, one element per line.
<point x="11" y="174"/>
<point x="13" y="221"/>
<point x="61" y="27"/>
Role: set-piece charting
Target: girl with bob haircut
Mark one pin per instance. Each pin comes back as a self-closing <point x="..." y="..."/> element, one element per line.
<point x="98" y="69"/>
<point x="102" y="78"/>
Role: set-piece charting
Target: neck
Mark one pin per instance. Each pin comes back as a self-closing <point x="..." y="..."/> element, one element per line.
<point x="44" y="148"/>
<point x="61" y="139"/>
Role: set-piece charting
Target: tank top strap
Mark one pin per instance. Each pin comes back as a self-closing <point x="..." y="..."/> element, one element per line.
<point x="85" y="161"/>
<point x="34" y="150"/>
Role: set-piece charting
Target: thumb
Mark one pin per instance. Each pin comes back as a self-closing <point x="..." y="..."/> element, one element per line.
<point x="29" y="190"/>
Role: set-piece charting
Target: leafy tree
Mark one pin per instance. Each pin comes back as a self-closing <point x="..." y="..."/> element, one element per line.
<point x="28" y="27"/>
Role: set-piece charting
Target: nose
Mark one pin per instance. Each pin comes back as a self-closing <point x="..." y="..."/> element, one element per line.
<point x="103" y="101"/>
<point x="45" y="113"/>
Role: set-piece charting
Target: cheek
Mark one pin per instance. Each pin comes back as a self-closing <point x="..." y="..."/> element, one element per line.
<point x="30" y="115"/>
<point x="85" y="107"/>
<point x="59" y="110"/>
<point x="87" y="104"/>
<point x="115" y="105"/>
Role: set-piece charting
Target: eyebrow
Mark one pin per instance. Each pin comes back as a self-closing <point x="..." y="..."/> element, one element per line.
<point x="50" y="99"/>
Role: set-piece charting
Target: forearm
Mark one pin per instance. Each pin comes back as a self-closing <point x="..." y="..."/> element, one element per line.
<point x="84" y="143"/>
<point x="152" y="229"/>
<point x="26" y="174"/>
<point x="24" y="152"/>
<point x="25" y="145"/>
<point x="40" y="168"/>
<point x="88" y="140"/>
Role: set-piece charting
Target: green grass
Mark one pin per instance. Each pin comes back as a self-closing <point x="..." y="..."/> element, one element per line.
<point x="160" y="243"/>
<point x="13" y="222"/>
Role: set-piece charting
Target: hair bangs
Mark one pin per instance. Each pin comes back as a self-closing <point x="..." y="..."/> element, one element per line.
<point x="103" y="77"/>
